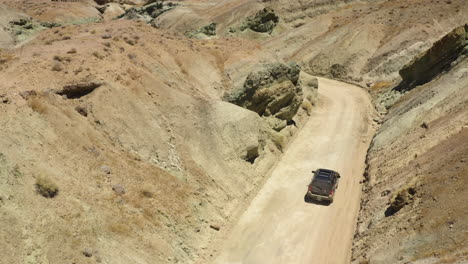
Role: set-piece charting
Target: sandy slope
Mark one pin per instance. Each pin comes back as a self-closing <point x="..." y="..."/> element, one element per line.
<point x="279" y="226"/>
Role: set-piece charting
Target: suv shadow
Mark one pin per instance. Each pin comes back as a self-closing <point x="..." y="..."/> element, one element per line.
<point x="307" y="199"/>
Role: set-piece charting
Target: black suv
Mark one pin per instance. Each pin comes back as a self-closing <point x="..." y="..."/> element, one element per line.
<point x="323" y="185"/>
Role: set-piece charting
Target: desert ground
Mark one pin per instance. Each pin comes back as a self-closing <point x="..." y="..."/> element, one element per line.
<point x="137" y="131"/>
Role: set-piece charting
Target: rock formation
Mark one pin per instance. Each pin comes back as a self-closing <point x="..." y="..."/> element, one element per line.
<point x="274" y="90"/>
<point x="438" y="58"/>
<point x="204" y="32"/>
<point x="148" y="12"/>
<point x="264" y="21"/>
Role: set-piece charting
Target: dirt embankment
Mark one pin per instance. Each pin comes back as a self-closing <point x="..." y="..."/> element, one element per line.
<point x="115" y="138"/>
<point x="415" y="202"/>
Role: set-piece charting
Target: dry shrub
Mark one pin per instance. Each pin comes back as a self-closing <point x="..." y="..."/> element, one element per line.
<point x="132" y="56"/>
<point x="307" y="106"/>
<point x="310" y="98"/>
<point x="98" y="55"/>
<point x="181" y="66"/>
<point x="147" y="192"/>
<point x="278" y="139"/>
<point x="380" y="85"/>
<point x="4" y="58"/>
<point x="133" y="74"/>
<point x="58" y="58"/>
<point x="37" y="105"/>
<point x="57" y="66"/>
<point x="119" y="228"/>
<point x="71" y="51"/>
<point x="78" y="70"/>
<point x="130" y="41"/>
<point x="46" y="187"/>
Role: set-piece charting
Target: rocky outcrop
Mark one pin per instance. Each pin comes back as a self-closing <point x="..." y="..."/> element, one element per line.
<point x="204" y="32"/>
<point x="309" y="85"/>
<point x="274" y="90"/>
<point x="16" y="27"/>
<point x="264" y="21"/>
<point x="124" y="2"/>
<point x="438" y="58"/>
<point x="338" y="71"/>
<point x="147" y="13"/>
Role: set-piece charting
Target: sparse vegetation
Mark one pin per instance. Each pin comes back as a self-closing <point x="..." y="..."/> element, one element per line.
<point x="57" y="66"/>
<point x="132" y="56"/>
<point x="71" y="51"/>
<point x="4" y="58"/>
<point x="37" y="105"/>
<point x="278" y="139"/>
<point x="119" y="228"/>
<point x="46" y="187"/>
<point x="380" y="85"/>
<point x="307" y="106"/>
<point x="146" y="192"/>
<point x="129" y="41"/>
<point x="78" y="70"/>
<point x="133" y="74"/>
<point x="98" y="55"/>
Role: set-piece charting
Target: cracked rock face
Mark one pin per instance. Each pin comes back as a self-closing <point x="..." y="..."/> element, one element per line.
<point x="429" y="64"/>
<point x="274" y="90"/>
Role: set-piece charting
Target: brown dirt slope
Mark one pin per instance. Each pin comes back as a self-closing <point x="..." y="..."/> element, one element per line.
<point x="414" y="207"/>
<point x="364" y="41"/>
<point x="127" y="122"/>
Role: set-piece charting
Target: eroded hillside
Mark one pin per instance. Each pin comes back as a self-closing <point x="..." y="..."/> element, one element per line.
<point x="414" y="208"/>
<point x="132" y="131"/>
<point x="123" y="130"/>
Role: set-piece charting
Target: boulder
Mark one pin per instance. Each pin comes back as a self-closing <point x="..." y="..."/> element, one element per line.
<point x="432" y="62"/>
<point x="275" y="123"/>
<point x="274" y="90"/>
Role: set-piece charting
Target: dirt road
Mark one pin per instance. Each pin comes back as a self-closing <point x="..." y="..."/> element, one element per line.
<point x="279" y="226"/>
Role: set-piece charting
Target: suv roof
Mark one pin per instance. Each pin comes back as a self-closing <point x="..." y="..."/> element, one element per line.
<point x="323" y="175"/>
